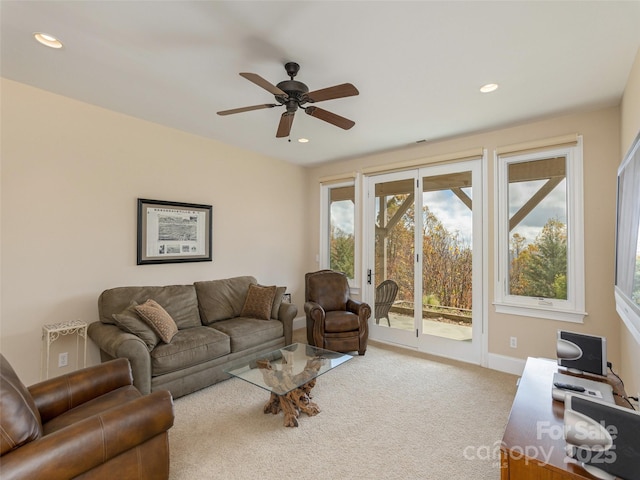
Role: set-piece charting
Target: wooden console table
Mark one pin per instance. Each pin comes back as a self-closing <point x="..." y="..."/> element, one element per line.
<point x="533" y="445"/>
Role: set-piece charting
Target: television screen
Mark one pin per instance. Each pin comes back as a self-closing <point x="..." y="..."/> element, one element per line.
<point x="627" y="281"/>
<point x="582" y="353"/>
<point x="603" y="437"/>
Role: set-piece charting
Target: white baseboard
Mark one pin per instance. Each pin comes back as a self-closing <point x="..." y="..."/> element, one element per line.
<point x="506" y="364"/>
<point x="501" y="363"/>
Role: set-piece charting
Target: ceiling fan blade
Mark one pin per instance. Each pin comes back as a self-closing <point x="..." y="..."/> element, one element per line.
<point x="261" y="82"/>
<point x="338" y="91"/>
<point x="330" y="117"/>
<point x="247" y="109"/>
<point x="284" y="127"/>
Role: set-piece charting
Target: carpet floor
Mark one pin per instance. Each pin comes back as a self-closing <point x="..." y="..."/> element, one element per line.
<point x="392" y="414"/>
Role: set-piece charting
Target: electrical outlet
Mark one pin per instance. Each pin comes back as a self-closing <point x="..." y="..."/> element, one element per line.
<point x="513" y="342"/>
<point x="63" y="359"/>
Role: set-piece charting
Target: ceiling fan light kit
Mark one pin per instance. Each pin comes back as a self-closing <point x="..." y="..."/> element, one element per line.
<point x="47" y="40"/>
<point x="293" y="94"/>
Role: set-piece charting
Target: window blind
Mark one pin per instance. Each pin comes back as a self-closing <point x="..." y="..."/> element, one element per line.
<point x="569" y="140"/>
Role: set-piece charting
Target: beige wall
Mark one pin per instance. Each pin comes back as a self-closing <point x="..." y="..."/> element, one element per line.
<point x="71" y="175"/>
<point x="536" y="337"/>
<point x="630" y="126"/>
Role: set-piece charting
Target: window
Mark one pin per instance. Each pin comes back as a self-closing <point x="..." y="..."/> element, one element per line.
<point x="540" y="233"/>
<point x="338" y="241"/>
<point x="627" y="287"/>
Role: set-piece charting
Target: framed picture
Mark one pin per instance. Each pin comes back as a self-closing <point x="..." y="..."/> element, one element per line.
<point x="174" y="232"/>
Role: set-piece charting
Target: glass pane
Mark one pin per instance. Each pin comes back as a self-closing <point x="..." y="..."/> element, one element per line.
<point x="394" y="253"/>
<point x="537" y="196"/>
<point x="288" y="368"/>
<point x="341" y="230"/>
<point x="447" y="256"/>
<point x="635" y="294"/>
<point x="628" y="230"/>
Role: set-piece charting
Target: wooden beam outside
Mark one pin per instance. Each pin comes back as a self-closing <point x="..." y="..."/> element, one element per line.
<point x="342" y="193"/>
<point x="533" y="202"/>
<point x="537" y="170"/>
<point x="463" y="196"/>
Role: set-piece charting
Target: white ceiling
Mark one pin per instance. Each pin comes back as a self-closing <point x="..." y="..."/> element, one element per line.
<point x="418" y="65"/>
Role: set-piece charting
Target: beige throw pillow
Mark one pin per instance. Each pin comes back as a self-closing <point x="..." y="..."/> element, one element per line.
<point x="259" y="302"/>
<point x="158" y="319"/>
<point x="129" y="321"/>
<point x="277" y="300"/>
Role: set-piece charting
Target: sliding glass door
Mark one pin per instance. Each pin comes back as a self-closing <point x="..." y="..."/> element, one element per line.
<point x="425" y="258"/>
<point x="392" y="200"/>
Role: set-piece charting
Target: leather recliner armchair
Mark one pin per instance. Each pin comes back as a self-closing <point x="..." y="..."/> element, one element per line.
<point x="334" y="320"/>
<point x="92" y="423"/>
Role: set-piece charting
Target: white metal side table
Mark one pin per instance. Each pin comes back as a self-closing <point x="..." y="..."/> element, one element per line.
<point x="50" y="334"/>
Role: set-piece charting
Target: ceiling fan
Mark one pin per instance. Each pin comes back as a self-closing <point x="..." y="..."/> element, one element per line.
<point x="293" y="94"/>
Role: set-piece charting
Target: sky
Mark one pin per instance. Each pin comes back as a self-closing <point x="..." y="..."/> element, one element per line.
<point x="342" y="215"/>
<point x="456" y="217"/>
<point x="554" y="205"/>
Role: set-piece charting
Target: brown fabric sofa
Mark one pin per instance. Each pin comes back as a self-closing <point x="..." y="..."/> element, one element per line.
<point x="211" y="332"/>
<point x="91" y="423"/>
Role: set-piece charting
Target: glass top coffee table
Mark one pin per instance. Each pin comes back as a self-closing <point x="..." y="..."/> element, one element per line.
<point x="289" y="373"/>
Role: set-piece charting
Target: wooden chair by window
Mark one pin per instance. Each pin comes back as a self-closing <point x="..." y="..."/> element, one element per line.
<point x="385" y="295"/>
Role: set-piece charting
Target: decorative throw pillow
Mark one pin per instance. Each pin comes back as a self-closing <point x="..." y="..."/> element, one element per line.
<point x="277" y="300"/>
<point x="259" y="302"/>
<point x="158" y="319"/>
<point x="129" y="321"/>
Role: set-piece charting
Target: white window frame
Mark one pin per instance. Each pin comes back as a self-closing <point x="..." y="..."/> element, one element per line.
<point x="573" y="308"/>
<point x="325" y="212"/>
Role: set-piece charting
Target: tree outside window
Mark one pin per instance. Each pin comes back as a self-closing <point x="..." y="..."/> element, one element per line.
<point x="540" y="241"/>
<point x="339" y="248"/>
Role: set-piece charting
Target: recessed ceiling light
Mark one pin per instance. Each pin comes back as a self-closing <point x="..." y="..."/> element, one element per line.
<point x="47" y="40"/>
<point x="489" y="87"/>
<point x="303" y="140"/>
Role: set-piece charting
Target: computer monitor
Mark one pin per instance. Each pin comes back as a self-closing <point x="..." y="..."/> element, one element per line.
<point x="603" y="438"/>
<point x="582" y="353"/>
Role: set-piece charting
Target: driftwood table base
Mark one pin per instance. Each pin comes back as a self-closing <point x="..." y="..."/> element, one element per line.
<point x="297" y="400"/>
<point x="288" y="374"/>
<point x="292" y="404"/>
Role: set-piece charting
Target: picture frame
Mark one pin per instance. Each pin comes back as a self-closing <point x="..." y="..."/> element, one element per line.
<point x="174" y="232"/>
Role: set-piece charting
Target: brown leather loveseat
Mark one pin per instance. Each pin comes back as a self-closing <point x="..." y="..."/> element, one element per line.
<point x="92" y="423"/>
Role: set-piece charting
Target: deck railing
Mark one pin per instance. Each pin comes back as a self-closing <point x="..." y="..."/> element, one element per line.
<point x="451" y="313"/>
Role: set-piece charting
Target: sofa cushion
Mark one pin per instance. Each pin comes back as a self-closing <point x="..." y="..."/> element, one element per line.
<point x="190" y="346"/>
<point x="277" y="301"/>
<point x="249" y="332"/>
<point x="259" y="302"/>
<point x="340" y="321"/>
<point x="179" y="301"/>
<point x="129" y="321"/>
<point x="222" y="299"/>
<point x="158" y="319"/>
<point x="19" y="418"/>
